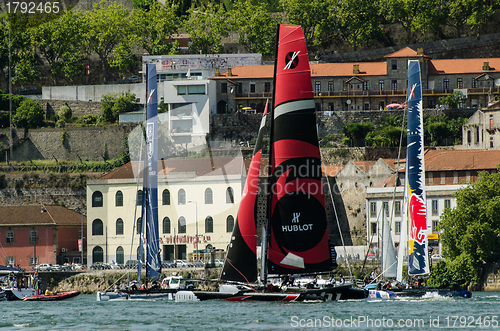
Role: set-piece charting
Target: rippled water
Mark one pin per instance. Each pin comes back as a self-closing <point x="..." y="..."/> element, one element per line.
<point x="85" y="313"/>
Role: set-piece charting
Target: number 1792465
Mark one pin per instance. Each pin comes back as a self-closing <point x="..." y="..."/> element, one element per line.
<point x="32" y="7"/>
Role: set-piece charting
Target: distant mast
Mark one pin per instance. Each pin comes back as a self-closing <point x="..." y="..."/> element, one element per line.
<point x="418" y="262"/>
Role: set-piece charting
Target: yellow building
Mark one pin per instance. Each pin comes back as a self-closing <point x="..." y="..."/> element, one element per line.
<point x="197" y="198"/>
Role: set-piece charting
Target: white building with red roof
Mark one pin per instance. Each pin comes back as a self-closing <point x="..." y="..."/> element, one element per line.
<point x="446" y="171"/>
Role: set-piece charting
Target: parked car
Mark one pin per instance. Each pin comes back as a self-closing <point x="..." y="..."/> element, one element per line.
<point x="56" y="267"/>
<point x="135" y="79"/>
<point x="166" y="264"/>
<point x="181" y="264"/>
<point x="219" y="263"/>
<point x="198" y="264"/>
<point x="437" y="257"/>
<point x="43" y="267"/>
<point x="131" y="264"/>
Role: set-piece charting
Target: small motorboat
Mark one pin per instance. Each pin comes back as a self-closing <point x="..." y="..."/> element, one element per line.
<point x="53" y="297"/>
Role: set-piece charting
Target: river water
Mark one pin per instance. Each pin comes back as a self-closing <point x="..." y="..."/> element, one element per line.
<point x="85" y="313"/>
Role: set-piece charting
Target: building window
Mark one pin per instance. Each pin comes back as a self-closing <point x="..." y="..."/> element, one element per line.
<point x="491" y="123"/>
<point x="430" y="177"/>
<point x="9" y="237"/>
<point x="229" y="195"/>
<point x="366" y="85"/>
<point x="330" y="106"/>
<point x="460" y="83"/>
<point x="317" y="87"/>
<point x="267" y="87"/>
<point x="119" y="199"/>
<point x="394" y="64"/>
<point x="394" y="85"/>
<point x="223" y="88"/>
<point x="33" y="260"/>
<point x="381" y="85"/>
<point x="385" y="206"/>
<point x="373" y="228"/>
<point x="166" y="197"/>
<point x="397" y="208"/>
<point x="239" y="88"/>
<point x="34" y="236"/>
<point x="373" y="209"/>
<point x="181" y="90"/>
<point x="330" y="87"/>
<point x="446" y="83"/>
<point x="97" y="199"/>
<point x="182" y="224"/>
<point x="10" y="260"/>
<point x="474" y="83"/>
<point x="447" y="203"/>
<point x="119" y="227"/>
<point x="443" y="177"/>
<point x="139" y="198"/>
<point x="209" y="224"/>
<point x="166" y="225"/>
<point x="196" y="89"/>
<point x="434" y="207"/>
<point x="138" y="226"/>
<point x="467" y="176"/>
<point x="252" y="87"/>
<point x="455" y="177"/>
<point x="209" y="196"/>
<point x="97" y="227"/>
<point x="97" y="254"/>
<point x="120" y="256"/>
<point x="345" y="86"/>
<point x="435" y="226"/>
<point x="229" y="223"/>
<point x="491" y="142"/>
<point x="181" y="197"/>
<point x="397" y="227"/>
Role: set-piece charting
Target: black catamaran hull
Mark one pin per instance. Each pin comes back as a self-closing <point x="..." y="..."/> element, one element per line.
<point x="335" y="293"/>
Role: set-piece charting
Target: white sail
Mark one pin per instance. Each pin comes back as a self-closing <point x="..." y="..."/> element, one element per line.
<point x="389" y="262"/>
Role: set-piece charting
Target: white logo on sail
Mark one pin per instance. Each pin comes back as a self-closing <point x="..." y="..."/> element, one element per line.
<point x="289" y="64"/>
<point x="295" y="218"/>
<point x="150" y="97"/>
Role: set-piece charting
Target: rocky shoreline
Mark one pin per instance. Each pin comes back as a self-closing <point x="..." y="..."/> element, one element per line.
<point x="91" y="281"/>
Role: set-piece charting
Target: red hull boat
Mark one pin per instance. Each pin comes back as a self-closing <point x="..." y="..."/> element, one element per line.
<point x="54" y="297"/>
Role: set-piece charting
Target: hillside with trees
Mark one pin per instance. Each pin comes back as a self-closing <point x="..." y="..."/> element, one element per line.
<point x="116" y="36"/>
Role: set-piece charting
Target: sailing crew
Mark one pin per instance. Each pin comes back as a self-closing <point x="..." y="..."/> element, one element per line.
<point x="49" y="292"/>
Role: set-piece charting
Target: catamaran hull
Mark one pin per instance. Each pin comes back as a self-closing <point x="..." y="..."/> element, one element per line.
<point x="418" y="293"/>
<point x="343" y="292"/>
<point x="167" y="294"/>
<point x="13" y="294"/>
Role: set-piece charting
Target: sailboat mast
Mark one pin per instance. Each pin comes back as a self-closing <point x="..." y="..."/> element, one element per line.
<point x="265" y="230"/>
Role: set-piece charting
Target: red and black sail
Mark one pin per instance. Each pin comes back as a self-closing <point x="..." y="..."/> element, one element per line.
<point x="241" y="261"/>
<point x="298" y="241"/>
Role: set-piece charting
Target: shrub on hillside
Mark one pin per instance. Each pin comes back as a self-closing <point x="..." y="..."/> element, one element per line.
<point x="64" y="112"/>
<point x="112" y="105"/>
<point x="29" y="114"/>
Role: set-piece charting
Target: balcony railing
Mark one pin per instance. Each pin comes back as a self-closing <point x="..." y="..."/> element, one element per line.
<point x="372" y="93"/>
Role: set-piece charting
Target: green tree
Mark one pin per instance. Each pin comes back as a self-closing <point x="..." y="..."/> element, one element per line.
<point x="357" y="132"/>
<point x="156" y="26"/>
<point x="307" y="13"/>
<point x="207" y="28"/>
<point x="58" y="41"/>
<point x="255" y="26"/>
<point x="104" y="29"/>
<point x="470" y="232"/>
<point x="112" y="105"/>
<point x="357" y="21"/>
<point x="453" y="100"/>
<point x="437" y="131"/>
<point x="404" y="12"/>
<point x="29" y="114"/>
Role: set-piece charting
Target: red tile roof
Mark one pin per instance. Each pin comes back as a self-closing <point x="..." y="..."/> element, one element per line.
<point x="462" y="66"/>
<point x="446" y="160"/>
<point x="202" y="167"/>
<point x="404" y="52"/>
<point x="39" y="215"/>
<point x="317" y="70"/>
